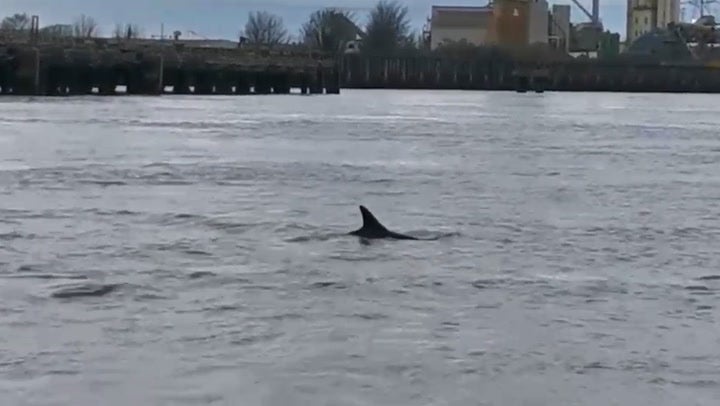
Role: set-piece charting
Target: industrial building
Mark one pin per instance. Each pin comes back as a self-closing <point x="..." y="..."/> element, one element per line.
<point x="453" y="24"/>
<point x="560" y="26"/>
<point x="643" y="16"/>
<point x="503" y="22"/>
<point x="518" y="23"/>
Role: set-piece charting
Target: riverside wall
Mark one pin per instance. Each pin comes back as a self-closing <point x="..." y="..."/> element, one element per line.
<point x="101" y="67"/>
<point x="488" y="73"/>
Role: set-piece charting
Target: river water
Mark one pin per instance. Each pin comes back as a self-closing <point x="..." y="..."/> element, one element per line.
<point x="191" y="250"/>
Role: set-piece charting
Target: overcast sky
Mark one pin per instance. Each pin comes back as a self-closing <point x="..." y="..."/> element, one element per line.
<point x="225" y="18"/>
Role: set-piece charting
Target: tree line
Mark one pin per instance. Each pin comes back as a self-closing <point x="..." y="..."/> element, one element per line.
<point x="387" y="28"/>
<point x="83" y="26"/>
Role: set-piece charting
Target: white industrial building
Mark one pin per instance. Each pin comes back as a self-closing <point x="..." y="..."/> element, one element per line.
<point x="457" y="23"/>
<point x="538" y="22"/>
<point x="645" y="15"/>
<point x="560" y="26"/>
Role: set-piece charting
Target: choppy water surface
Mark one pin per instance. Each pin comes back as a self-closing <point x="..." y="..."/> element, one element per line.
<point x="190" y="250"/>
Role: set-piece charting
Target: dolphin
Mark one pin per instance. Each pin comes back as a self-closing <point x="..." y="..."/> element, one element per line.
<point x="372" y="228"/>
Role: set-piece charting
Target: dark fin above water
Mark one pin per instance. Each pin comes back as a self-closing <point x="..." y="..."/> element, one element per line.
<point x="370" y="223"/>
<point x="372" y="228"/>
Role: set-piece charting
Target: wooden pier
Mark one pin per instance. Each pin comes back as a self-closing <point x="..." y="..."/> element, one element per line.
<point x="502" y="73"/>
<point x="102" y="66"/>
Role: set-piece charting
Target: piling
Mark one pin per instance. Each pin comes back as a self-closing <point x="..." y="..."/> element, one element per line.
<point x="491" y="72"/>
<point x="151" y="69"/>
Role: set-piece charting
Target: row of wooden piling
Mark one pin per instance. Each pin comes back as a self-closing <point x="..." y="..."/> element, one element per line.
<point x="26" y="70"/>
<point x="33" y="71"/>
<point x="366" y="72"/>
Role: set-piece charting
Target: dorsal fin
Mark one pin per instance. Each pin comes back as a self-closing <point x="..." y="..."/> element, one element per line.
<point x="370" y="223"/>
<point x="372" y="228"/>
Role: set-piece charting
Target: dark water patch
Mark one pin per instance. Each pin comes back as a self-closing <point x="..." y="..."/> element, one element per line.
<point x="221" y="308"/>
<point x="485" y="284"/>
<point x="10" y="215"/>
<point x="278" y="317"/>
<point x="697" y="288"/>
<point x="157" y="165"/>
<point x="354" y="257"/>
<point x="292" y="227"/>
<point x="143" y="297"/>
<point x="381" y="181"/>
<point x="63" y="372"/>
<point x="235" y="183"/>
<point x="168" y="219"/>
<point x="258" y="287"/>
<point x="201" y="274"/>
<point x="84" y="290"/>
<point x="328" y="284"/>
<point x="31" y="268"/>
<point x="254" y="339"/>
<point x="46" y="276"/>
<point x="100" y="182"/>
<point x="317" y="237"/>
<point x="197" y="252"/>
<point x="181" y="246"/>
<point x="232" y="227"/>
<point x="113" y="213"/>
<point x="200" y="338"/>
<point x="370" y="316"/>
<point x="166" y="180"/>
<point x="423" y="284"/>
<point x="697" y="383"/>
<point x="201" y="125"/>
<point x="688" y="231"/>
<point x="597" y="365"/>
<point x="708" y="278"/>
<point x="488" y="306"/>
<point x="16" y="235"/>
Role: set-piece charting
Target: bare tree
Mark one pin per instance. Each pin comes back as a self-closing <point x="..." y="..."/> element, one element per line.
<point x="16" y="22"/>
<point x="127" y="31"/>
<point x="388" y="27"/>
<point x="85" y="27"/>
<point x="263" y="28"/>
<point x="329" y="30"/>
